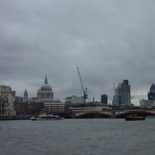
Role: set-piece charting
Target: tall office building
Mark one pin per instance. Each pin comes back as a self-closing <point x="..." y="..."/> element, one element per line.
<point x="122" y="93"/>
<point x="151" y="94"/>
<point x="104" y="99"/>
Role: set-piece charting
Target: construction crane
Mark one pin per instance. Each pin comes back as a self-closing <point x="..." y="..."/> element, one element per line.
<point x="85" y="96"/>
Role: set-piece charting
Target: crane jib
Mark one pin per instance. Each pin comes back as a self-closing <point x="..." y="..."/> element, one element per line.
<point x="84" y="90"/>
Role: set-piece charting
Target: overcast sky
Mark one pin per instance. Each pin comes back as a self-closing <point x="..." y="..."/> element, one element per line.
<point x="109" y="40"/>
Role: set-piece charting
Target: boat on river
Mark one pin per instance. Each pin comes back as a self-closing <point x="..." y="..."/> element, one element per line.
<point x="47" y="117"/>
<point x="135" y="118"/>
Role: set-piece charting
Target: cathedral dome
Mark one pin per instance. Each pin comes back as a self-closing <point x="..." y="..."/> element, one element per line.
<point x="46" y="86"/>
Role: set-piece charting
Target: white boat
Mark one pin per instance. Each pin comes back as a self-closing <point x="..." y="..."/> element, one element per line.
<point x="46" y="117"/>
<point x="34" y="118"/>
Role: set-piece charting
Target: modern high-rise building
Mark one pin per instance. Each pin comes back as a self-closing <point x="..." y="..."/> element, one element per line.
<point x="104" y="99"/>
<point x="122" y="93"/>
<point x="151" y="94"/>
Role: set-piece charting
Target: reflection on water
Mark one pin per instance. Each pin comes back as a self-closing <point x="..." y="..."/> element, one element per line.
<point x="77" y="137"/>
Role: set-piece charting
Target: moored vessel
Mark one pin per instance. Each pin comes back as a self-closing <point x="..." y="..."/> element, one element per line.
<point x="135" y="118"/>
<point x="46" y="117"/>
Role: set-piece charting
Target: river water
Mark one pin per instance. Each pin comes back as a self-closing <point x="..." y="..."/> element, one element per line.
<point x="77" y="137"/>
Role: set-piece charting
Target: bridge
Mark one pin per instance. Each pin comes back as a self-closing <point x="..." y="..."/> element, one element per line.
<point x="112" y="113"/>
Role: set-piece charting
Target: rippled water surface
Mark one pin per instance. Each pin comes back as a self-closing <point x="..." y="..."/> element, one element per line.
<point x="78" y="137"/>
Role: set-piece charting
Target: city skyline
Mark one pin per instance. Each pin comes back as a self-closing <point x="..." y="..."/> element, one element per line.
<point x="108" y="40"/>
<point x="116" y="89"/>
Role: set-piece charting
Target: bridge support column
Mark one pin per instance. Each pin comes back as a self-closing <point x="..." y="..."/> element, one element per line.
<point x="113" y="114"/>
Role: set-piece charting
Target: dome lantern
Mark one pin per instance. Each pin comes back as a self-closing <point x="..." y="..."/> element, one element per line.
<point x="46" y="86"/>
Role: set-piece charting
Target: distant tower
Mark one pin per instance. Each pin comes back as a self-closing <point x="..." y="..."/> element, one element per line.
<point x="93" y="99"/>
<point x="104" y="99"/>
<point x="151" y="94"/>
<point x="25" y="95"/>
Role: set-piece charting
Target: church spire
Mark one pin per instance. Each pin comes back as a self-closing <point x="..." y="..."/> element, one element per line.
<point x="46" y="81"/>
<point x="25" y="95"/>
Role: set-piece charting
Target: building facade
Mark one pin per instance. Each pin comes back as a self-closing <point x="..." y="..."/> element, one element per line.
<point x="74" y="100"/>
<point x="55" y="107"/>
<point x="150" y="103"/>
<point x="6" y="101"/>
<point x="147" y="103"/>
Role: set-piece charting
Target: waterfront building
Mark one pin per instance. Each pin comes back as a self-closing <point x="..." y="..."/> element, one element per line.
<point x="56" y="107"/>
<point x="74" y="100"/>
<point x="151" y="94"/>
<point x="20" y="107"/>
<point x="122" y="93"/>
<point x="147" y="103"/>
<point x="150" y="103"/>
<point x="104" y="99"/>
<point x="6" y="101"/>
<point x="34" y="107"/>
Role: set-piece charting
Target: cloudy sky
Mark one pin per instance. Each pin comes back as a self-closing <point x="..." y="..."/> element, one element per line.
<point x="109" y="40"/>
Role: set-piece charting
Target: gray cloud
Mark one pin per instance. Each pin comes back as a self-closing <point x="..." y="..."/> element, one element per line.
<point x="108" y="40"/>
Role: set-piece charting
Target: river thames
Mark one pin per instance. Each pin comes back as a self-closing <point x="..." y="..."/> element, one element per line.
<point x="78" y="137"/>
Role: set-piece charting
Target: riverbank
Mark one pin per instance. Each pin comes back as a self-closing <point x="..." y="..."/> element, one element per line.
<point x="17" y="117"/>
